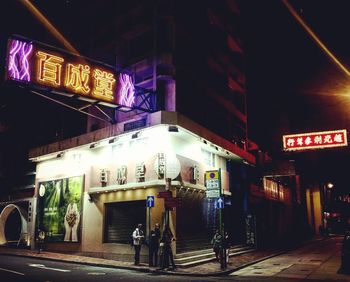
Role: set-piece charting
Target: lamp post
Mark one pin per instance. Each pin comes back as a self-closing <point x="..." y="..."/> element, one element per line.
<point x="326" y="187"/>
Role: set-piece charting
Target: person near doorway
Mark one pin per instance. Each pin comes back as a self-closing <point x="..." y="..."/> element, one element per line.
<point x="217" y="244"/>
<point x="154" y="245"/>
<point x="167" y="253"/>
<point x="226" y="246"/>
<point x="138" y="236"/>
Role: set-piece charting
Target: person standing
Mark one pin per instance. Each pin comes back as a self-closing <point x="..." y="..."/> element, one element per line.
<point x="226" y="246"/>
<point x="167" y="256"/>
<point x="138" y="237"/>
<point x="217" y="244"/>
<point x="154" y="245"/>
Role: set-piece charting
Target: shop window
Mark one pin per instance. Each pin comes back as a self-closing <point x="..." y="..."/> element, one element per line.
<point x="121" y="219"/>
<point x="208" y="158"/>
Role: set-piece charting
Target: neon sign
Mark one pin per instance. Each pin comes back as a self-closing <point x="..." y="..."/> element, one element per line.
<point x="315" y="140"/>
<point x="18" y="65"/>
<point x="49" y="68"/>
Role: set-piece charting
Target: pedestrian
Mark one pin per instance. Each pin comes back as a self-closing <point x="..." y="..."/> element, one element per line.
<point x="138" y="237"/>
<point x="167" y="257"/>
<point x="154" y="245"/>
<point x="217" y="243"/>
<point x="41" y="240"/>
<point x="226" y="246"/>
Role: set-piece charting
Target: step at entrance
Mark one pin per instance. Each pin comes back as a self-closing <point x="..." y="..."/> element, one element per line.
<point x="193" y="258"/>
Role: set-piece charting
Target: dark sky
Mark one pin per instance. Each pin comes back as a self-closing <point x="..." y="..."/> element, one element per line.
<point x="293" y="87"/>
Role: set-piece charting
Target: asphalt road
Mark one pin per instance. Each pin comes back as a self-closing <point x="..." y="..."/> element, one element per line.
<point x="14" y="268"/>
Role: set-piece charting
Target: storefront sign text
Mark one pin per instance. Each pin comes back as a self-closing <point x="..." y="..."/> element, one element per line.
<point x="315" y="140"/>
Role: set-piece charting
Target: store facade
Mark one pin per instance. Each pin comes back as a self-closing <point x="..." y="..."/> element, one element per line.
<point x="90" y="195"/>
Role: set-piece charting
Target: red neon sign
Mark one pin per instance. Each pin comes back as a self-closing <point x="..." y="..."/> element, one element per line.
<point x="315" y="140"/>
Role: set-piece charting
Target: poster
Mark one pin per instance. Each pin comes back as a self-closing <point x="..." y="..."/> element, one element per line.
<point x="59" y="209"/>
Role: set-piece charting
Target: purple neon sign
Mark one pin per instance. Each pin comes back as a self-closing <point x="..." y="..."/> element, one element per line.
<point x="126" y="90"/>
<point x="37" y="65"/>
<point x="18" y="66"/>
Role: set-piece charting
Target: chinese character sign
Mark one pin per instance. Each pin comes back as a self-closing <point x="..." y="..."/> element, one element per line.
<point x="40" y="65"/>
<point x="315" y="140"/>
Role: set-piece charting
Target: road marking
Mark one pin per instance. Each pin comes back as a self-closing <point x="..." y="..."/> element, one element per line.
<point x="49" y="268"/>
<point x="96" y="273"/>
<point x="15" y="272"/>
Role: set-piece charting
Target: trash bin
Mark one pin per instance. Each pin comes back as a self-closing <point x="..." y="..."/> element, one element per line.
<point x="345" y="254"/>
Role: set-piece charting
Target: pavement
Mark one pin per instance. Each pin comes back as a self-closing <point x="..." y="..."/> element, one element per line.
<point x="213" y="268"/>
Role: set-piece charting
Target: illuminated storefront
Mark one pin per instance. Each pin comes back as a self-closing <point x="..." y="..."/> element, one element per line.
<point x="97" y="191"/>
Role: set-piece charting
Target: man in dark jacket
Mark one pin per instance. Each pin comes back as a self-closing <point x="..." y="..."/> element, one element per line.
<point x="167" y="256"/>
<point x="154" y="245"/>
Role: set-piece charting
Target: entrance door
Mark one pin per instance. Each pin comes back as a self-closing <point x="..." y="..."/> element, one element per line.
<point x="121" y="218"/>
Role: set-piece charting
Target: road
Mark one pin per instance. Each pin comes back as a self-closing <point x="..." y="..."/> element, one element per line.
<point x="315" y="262"/>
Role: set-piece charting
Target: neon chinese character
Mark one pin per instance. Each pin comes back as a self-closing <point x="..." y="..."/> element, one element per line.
<point x="300" y="141"/>
<point x="290" y="142"/>
<point x="318" y="139"/>
<point x="308" y="140"/>
<point x="49" y="68"/>
<point x="327" y="139"/>
<point x="338" y="138"/>
<point x="77" y="78"/>
<point x="104" y="84"/>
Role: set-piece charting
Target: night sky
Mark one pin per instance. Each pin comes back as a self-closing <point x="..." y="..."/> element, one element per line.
<point x="293" y="87"/>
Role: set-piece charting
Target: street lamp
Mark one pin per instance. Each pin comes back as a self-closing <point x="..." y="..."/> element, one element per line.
<point x="326" y="187"/>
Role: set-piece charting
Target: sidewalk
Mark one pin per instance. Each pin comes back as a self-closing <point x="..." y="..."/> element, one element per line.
<point x="207" y="269"/>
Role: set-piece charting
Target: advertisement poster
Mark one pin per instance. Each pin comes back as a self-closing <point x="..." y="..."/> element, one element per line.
<point x="60" y="209"/>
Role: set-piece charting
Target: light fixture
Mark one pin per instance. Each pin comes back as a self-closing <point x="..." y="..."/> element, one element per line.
<point x="135" y="135"/>
<point x="93" y="145"/>
<point x="59" y="155"/>
<point x="173" y="128"/>
<point x="86" y="99"/>
<point x="114" y="139"/>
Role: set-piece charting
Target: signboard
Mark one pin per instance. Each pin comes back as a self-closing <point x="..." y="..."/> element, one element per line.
<point x="212" y="183"/>
<point x="220" y="203"/>
<point x="250" y="229"/>
<point x="315" y="140"/>
<point x="150" y="201"/>
<point x="172" y="202"/>
<point x="213" y="193"/>
<point x="140" y="172"/>
<point x="164" y="194"/>
<point x="121" y="175"/>
<point x="167" y="166"/>
<point x="36" y="65"/>
<point x="60" y="208"/>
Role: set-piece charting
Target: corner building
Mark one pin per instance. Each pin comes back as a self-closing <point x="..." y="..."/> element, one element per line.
<point x="95" y="185"/>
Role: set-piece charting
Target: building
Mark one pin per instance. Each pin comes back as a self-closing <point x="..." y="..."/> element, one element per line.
<point x="186" y="64"/>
